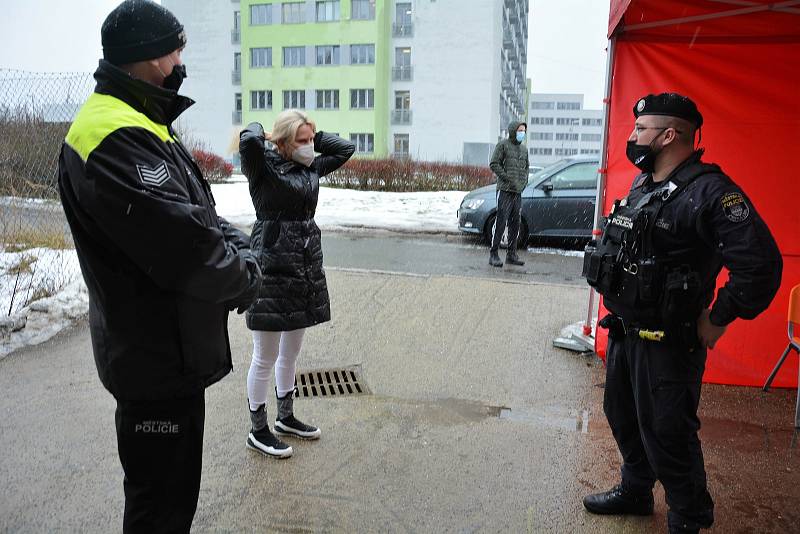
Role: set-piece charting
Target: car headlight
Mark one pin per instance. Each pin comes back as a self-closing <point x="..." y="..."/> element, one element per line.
<point x="473" y="203"/>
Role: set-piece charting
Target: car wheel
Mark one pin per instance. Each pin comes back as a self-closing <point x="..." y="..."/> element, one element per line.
<point x="488" y="231"/>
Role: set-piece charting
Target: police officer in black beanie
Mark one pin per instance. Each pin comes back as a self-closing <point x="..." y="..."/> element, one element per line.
<point x="162" y="269"/>
<point x="656" y="266"/>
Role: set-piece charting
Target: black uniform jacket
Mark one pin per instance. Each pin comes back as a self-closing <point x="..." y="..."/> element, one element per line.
<point x="160" y="265"/>
<point x="711" y="224"/>
<point x="294" y="293"/>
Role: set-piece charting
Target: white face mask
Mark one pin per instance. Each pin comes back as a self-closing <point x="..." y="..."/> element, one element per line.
<point x="304" y="154"/>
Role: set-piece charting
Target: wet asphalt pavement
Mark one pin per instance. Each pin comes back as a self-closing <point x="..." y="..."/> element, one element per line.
<point x="473" y="423"/>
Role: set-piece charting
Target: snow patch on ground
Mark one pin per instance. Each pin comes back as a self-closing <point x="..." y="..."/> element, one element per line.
<point x="56" y="273"/>
<point x="347" y="209"/>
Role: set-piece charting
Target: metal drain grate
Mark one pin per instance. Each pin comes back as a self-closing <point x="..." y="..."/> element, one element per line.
<point x="330" y="382"/>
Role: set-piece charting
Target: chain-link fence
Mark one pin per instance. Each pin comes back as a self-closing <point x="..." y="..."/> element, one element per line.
<point x="36" y="110"/>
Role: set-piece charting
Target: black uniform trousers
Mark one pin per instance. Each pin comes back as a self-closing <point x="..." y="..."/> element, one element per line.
<point x="651" y="397"/>
<point x="509" y="208"/>
<point x="160" y="446"/>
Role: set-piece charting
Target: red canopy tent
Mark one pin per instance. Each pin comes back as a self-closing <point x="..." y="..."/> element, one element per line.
<point x="740" y="61"/>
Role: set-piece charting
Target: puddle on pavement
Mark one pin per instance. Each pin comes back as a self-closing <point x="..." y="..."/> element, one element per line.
<point x="573" y="421"/>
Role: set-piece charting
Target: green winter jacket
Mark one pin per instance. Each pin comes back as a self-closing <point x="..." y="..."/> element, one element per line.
<point x="510" y="162"/>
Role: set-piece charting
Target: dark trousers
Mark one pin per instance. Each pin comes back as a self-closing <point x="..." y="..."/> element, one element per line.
<point x="161" y="447"/>
<point x="651" y="398"/>
<point x="509" y="207"/>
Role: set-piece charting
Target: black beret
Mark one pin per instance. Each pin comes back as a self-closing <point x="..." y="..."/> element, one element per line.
<point x="671" y="105"/>
<point x="138" y="30"/>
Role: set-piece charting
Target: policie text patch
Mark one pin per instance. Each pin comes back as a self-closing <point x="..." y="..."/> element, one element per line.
<point x="735" y="207"/>
<point x="153" y="175"/>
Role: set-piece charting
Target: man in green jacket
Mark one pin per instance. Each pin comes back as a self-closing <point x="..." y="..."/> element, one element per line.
<point x="510" y="165"/>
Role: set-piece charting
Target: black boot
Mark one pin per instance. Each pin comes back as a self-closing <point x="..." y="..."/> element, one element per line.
<point x="494" y="259"/>
<point x="513" y="259"/>
<point x="260" y="439"/>
<point x="287" y="425"/>
<point x="618" y="500"/>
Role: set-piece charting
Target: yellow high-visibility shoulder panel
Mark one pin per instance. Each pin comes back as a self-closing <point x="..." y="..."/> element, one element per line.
<point x="102" y="115"/>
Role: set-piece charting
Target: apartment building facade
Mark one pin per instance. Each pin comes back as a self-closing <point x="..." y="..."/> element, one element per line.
<point x="212" y="31"/>
<point x="559" y="126"/>
<point x="435" y="80"/>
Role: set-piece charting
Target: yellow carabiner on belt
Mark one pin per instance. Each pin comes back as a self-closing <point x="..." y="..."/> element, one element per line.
<point x="652" y="335"/>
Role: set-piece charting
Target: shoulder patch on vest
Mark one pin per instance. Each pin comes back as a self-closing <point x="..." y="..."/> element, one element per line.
<point x="153" y="175"/>
<point x="735" y="207"/>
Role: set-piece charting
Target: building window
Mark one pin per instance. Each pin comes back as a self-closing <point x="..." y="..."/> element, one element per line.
<point x="362" y="98"/>
<point x="568" y="121"/>
<point x="592" y="151"/>
<point x="328" y="11"/>
<point x="541" y="120"/>
<point x="365" y="143"/>
<point x="237" y="102"/>
<point x="237" y="20"/>
<point x="294" y="99"/>
<point x="542" y="151"/>
<point x="328" y="99"/>
<point x="401" y="144"/>
<point x="328" y="55"/>
<point x="402" y="56"/>
<point x="260" y="57"/>
<point x="566" y="151"/>
<point x="591" y="137"/>
<point x="542" y="105"/>
<point x="293" y="12"/>
<point x="362" y="54"/>
<point x="592" y="122"/>
<point x="294" y="56"/>
<point x="363" y="10"/>
<point x="568" y="105"/>
<point x="237" y="61"/>
<point x="260" y="14"/>
<point x="542" y="136"/>
<point x="260" y="100"/>
<point x="402" y="13"/>
<point x="566" y="137"/>
<point x="402" y="100"/>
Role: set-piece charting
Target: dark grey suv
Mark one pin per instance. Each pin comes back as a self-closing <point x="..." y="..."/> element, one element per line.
<point x="558" y="202"/>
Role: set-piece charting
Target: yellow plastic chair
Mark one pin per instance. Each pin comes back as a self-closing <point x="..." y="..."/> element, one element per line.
<point x="794" y="344"/>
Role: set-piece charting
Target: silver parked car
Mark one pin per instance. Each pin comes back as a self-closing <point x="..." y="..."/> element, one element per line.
<point x="558" y="202"/>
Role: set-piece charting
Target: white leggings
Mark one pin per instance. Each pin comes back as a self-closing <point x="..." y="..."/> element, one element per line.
<point x="278" y="349"/>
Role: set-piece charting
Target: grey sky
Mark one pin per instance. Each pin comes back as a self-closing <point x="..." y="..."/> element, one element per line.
<point x="565" y="51"/>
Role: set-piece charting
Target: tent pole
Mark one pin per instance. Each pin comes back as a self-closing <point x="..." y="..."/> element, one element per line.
<point x="603" y="172"/>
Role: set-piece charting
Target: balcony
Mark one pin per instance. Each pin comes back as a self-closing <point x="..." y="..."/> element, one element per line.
<point x="236" y="36"/>
<point x="237" y="117"/>
<point x="401" y="116"/>
<point x="403" y="73"/>
<point x="236" y="77"/>
<point x="404" y="29"/>
<point x="508" y="83"/>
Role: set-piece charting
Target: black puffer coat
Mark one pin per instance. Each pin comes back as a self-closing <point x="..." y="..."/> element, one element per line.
<point x="285" y="237"/>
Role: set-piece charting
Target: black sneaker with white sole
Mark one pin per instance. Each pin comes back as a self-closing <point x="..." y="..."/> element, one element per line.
<point x="266" y="443"/>
<point x="290" y="426"/>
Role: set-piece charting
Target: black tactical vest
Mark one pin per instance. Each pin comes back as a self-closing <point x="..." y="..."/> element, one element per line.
<point x="638" y="284"/>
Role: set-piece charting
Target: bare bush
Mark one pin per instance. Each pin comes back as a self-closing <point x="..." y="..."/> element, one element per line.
<point x="405" y="175"/>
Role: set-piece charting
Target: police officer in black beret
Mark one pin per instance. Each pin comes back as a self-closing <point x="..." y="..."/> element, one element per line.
<point x="656" y="265"/>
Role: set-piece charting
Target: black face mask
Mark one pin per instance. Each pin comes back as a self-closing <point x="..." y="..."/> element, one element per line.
<point x="175" y="78"/>
<point x="643" y="156"/>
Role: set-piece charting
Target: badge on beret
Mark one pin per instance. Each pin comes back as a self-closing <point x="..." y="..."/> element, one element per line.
<point x="640" y="105"/>
<point x="735" y="207"/>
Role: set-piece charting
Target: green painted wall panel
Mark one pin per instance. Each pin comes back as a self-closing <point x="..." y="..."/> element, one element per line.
<point x="343" y="77"/>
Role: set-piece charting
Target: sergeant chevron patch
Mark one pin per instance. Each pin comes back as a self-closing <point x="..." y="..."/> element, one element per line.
<point x="154" y="175"/>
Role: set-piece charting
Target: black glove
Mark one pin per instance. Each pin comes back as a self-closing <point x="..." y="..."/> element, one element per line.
<point x="246" y="298"/>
